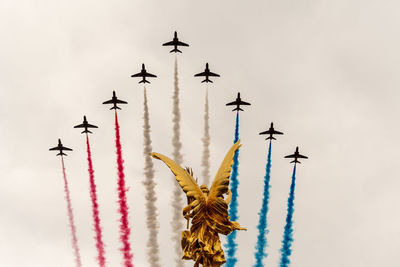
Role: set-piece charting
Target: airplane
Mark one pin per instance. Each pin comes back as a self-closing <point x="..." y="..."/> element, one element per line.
<point x="271" y="131"/>
<point x="143" y="73"/>
<point x="237" y="103"/>
<point x="60" y="148"/>
<point x="296" y="155"/>
<point x="207" y="73"/>
<point x="85" y="125"/>
<point x="175" y="43"/>
<point x="114" y="100"/>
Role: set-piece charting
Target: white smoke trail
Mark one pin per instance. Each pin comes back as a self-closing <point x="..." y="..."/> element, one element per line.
<point x="205" y="161"/>
<point x="151" y="209"/>
<point x="176" y="222"/>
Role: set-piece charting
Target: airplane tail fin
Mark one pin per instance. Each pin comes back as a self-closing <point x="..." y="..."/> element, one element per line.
<point x="295" y="161"/>
<point x="61" y="154"/>
<point x="238" y="108"/>
<point x="144" y="81"/>
<point x="116" y="107"/>
<point x="270" y="138"/>
<point x="175" y="50"/>
<point x="206" y="81"/>
<point x="86" y="131"/>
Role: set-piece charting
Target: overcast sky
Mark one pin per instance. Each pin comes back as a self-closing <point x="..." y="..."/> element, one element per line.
<point x="325" y="72"/>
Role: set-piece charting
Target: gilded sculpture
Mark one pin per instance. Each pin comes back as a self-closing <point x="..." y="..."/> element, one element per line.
<point x="208" y="210"/>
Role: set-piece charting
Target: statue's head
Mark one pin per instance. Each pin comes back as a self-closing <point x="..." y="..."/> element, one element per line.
<point x="204" y="189"/>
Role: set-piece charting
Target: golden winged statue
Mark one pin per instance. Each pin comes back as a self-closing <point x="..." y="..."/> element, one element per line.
<point x="208" y="210"/>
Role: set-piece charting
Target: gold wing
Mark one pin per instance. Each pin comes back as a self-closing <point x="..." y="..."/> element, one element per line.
<point x="220" y="185"/>
<point x="184" y="179"/>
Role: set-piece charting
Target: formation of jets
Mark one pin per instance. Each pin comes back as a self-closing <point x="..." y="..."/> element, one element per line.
<point x="207" y="74"/>
<point x="114" y="101"/>
<point x="60" y="148"/>
<point x="85" y="125"/>
<point x="143" y="73"/>
<point x="271" y="131"/>
<point x="237" y="103"/>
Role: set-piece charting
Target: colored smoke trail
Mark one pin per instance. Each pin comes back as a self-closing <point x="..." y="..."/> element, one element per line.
<point x="151" y="198"/>
<point x="234" y="182"/>
<point x="262" y="223"/>
<point x="123" y="205"/>
<point x="71" y="217"/>
<point x="177" y="206"/>
<point x="286" y="249"/>
<point x="95" y="209"/>
<point x="205" y="161"/>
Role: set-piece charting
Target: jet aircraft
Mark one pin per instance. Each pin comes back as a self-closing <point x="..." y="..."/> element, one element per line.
<point x="114" y="100"/>
<point x="60" y="148"/>
<point x="296" y="156"/>
<point x="207" y="73"/>
<point x="143" y="73"/>
<point x="271" y="131"/>
<point x="237" y="103"/>
<point x="175" y="43"/>
<point x="85" y="125"/>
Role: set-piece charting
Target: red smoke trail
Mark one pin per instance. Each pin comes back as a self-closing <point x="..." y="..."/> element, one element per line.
<point x="123" y="206"/>
<point x="95" y="207"/>
<point x="71" y="217"/>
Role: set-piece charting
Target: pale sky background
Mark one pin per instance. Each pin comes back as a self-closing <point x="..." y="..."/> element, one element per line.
<point x="325" y="72"/>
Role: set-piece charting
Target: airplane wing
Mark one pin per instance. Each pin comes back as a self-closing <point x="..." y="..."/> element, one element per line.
<point x="116" y="101"/>
<point x="91" y="126"/>
<point x="244" y="103"/>
<point x="266" y="132"/>
<point x="137" y="75"/>
<point x="66" y="148"/>
<point x="182" y="43"/>
<point x="290" y="156"/>
<point x="109" y="102"/>
<point x="150" y="75"/>
<point x="213" y="74"/>
<point x="232" y="103"/>
<point x="200" y="74"/>
<point x="302" y="157"/>
<point x="54" y="148"/>
<point x="79" y="126"/>
<point x="169" y="43"/>
<point x="276" y="132"/>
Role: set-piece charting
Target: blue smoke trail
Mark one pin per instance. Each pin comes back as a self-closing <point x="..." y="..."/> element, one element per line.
<point x="262" y="223"/>
<point x="231" y="245"/>
<point x="286" y="249"/>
